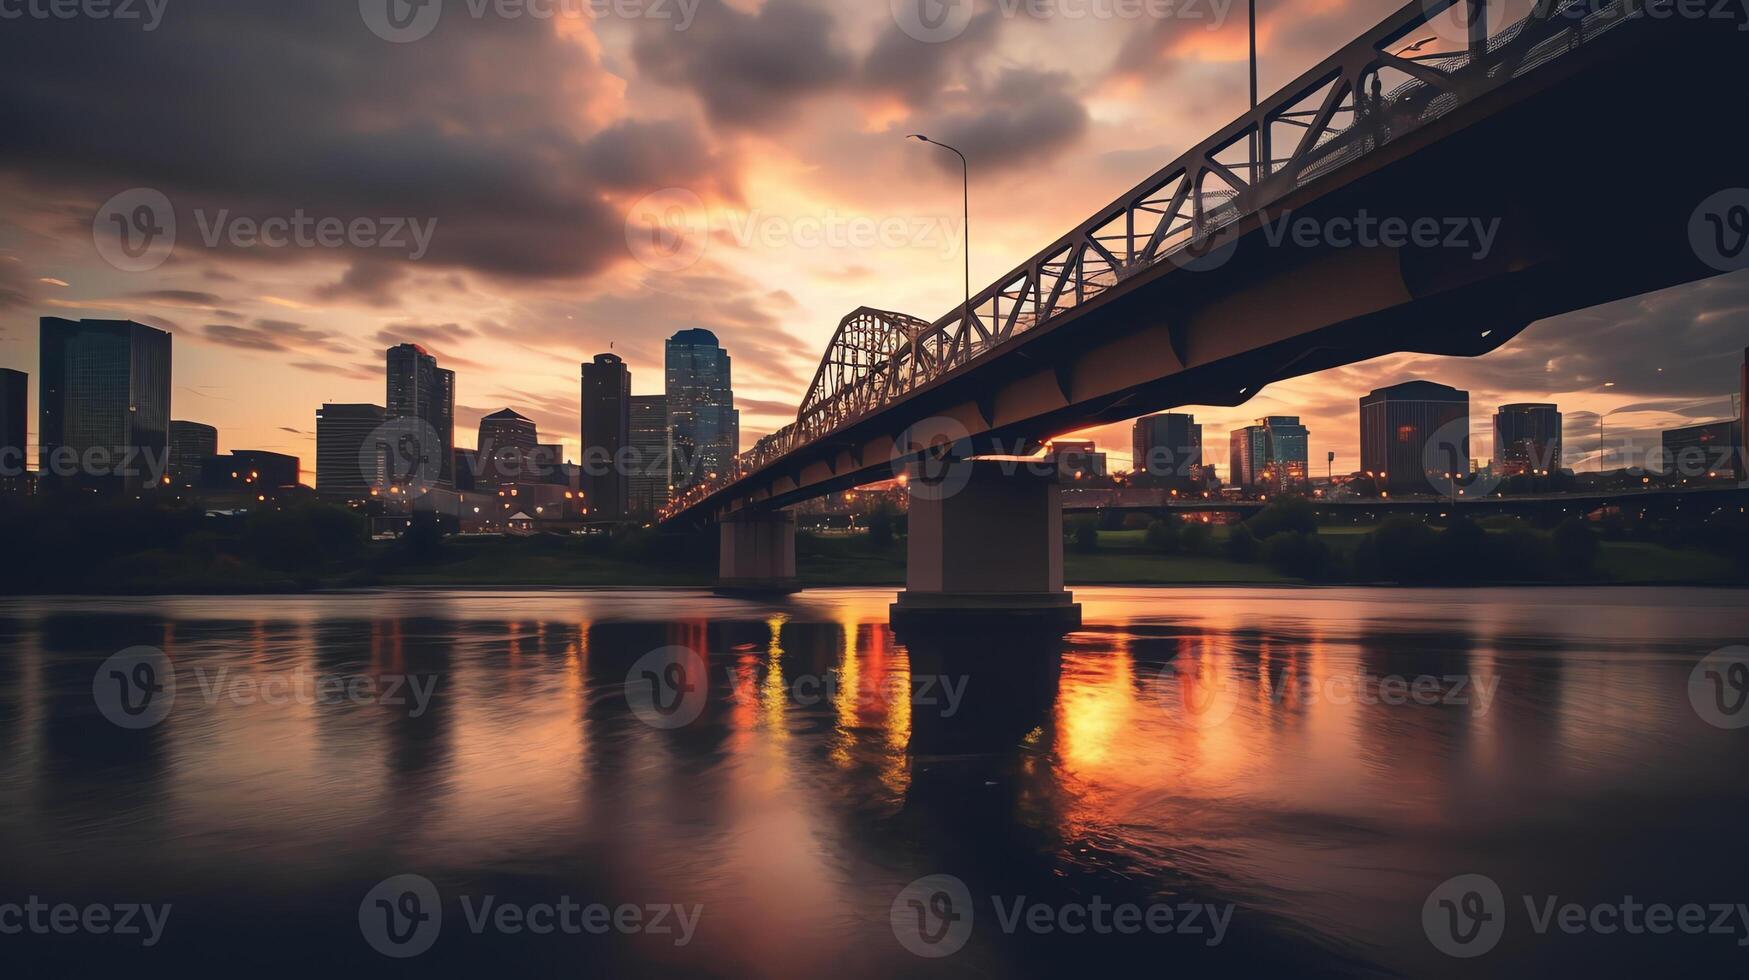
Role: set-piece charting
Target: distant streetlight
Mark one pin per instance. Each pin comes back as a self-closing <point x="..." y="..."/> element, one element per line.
<point x="966" y="219"/>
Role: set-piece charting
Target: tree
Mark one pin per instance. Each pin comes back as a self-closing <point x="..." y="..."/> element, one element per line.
<point x="1242" y="545"/>
<point x="1162" y="537"/>
<point x="1575" y="548"/>
<point x="1289" y="514"/>
<point x="880" y="525"/>
<point x="1195" y="538"/>
<point x="1086" y="535"/>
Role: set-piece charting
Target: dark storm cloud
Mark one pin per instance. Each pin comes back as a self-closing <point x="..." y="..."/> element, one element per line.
<point x="1024" y="116"/>
<point x="748" y="69"/>
<point x="369" y="282"/>
<point x="421" y="333"/>
<point x="18" y="288"/>
<point x="263" y="108"/>
<point x="179" y="297"/>
<point x="916" y="70"/>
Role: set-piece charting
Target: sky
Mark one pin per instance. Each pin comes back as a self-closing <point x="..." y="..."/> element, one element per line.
<point x="482" y="177"/>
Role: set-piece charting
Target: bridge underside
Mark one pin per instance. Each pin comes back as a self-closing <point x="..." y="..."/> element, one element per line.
<point x="1593" y="166"/>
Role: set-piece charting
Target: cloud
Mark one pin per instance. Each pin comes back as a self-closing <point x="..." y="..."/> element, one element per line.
<point x="1023" y="117"/>
<point x="358" y="372"/>
<point x="279" y="336"/>
<point x="367" y="281"/>
<point x="748" y="69"/>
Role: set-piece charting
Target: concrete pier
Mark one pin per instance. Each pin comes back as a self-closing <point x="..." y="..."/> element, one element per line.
<point x="756" y="554"/>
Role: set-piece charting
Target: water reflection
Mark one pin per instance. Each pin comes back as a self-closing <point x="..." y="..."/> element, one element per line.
<point x="1320" y="759"/>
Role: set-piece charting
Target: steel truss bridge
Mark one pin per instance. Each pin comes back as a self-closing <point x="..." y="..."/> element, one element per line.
<point x="1144" y="306"/>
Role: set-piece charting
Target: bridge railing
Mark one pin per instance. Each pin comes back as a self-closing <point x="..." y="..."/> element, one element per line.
<point x="1409" y="70"/>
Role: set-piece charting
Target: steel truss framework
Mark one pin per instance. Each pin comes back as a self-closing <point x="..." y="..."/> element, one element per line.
<point x="1386" y="83"/>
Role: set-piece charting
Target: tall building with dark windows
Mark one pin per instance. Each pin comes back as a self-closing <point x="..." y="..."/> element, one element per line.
<point x="1287" y="445"/>
<point x="1706" y="451"/>
<point x="14" y="404"/>
<point x="104" y="404"/>
<point x="704" y="430"/>
<point x="1410" y="433"/>
<point x="345" y="468"/>
<point x="1169" y="449"/>
<point x="606" y="426"/>
<point x="507" y="448"/>
<point x="1527" y="440"/>
<point x="1247" y="455"/>
<point x="419" y="389"/>
<point x="647" y="483"/>
<point x="190" y="444"/>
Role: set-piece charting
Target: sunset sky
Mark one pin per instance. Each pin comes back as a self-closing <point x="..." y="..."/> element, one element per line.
<point x="530" y="139"/>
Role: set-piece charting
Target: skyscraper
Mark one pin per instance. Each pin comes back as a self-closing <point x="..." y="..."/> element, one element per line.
<point x="1287" y="444"/>
<point x="345" y="469"/>
<point x="1247" y="455"/>
<point x="419" y="389"/>
<point x="647" y="485"/>
<point x="1168" y="448"/>
<point x="1527" y="439"/>
<point x="704" y="429"/>
<point x="606" y="426"/>
<point x="190" y="444"/>
<point x="1412" y="432"/>
<point x="104" y="408"/>
<point x="14" y="397"/>
<point x="507" y="445"/>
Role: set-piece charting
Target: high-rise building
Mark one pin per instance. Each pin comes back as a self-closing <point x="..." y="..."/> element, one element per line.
<point x="606" y="426"/>
<point x="704" y="430"/>
<point x="1527" y="440"/>
<point x="647" y="485"/>
<point x="1168" y="448"/>
<point x="104" y="407"/>
<point x="14" y="402"/>
<point x="1411" y="433"/>
<point x="345" y="468"/>
<point x="255" y="471"/>
<point x="419" y="389"/>
<point x="190" y="444"/>
<point x="507" y="446"/>
<point x="1247" y="455"/>
<point x="1287" y="445"/>
<point x="1702" y="452"/>
<point x="1743" y="419"/>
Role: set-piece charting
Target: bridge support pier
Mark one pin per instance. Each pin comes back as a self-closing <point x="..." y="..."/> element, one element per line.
<point x="985" y="549"/>
<point x="756" y="554"/>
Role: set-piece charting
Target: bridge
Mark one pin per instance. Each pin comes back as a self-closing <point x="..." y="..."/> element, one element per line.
<point x="1702" y="499"/>
<point x="1587" y="131"/>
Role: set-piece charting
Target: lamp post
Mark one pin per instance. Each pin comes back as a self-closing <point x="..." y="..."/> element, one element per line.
<point x="966" y="220"/>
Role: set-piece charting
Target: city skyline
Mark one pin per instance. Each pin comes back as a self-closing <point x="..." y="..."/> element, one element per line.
<point x="515" y="313"/>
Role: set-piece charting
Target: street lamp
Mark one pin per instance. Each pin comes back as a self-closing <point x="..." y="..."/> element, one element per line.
<point x="966" y="219"/>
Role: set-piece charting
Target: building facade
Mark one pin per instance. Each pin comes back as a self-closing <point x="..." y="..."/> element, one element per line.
<point x="1287" y="445"/>
<point x="418" y="389"/>
<point x="1078" y="459"/>
<point x="190" y="444"/>
<point x="14" y="434"/>
<point x="606" y="427"/>
<point x="647" y="479"/>
<point x="506" y="451"/>
<point x="350" y="457"/>
<point x="1527" y="440"/>
<point x="104" y="405"/>
<point x="1247" y="455"/>
<point x="249" y="471"/>
<point x="704" y="429"/>
<point x="1168" y="448"/>
<point x="1707" y="451"/>
<point x="1412" y="433"/>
